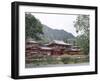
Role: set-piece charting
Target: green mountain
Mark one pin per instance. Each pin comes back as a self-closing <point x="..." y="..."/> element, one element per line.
<point x="55" y="34"/>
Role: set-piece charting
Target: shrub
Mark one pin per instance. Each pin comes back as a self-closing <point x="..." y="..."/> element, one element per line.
<point x="66" y="60"/>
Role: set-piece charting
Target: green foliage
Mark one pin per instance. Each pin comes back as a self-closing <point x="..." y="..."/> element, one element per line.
<point x="83" y="42"/>
<point x="82" y="27"/>
<point x="66" y="60"/>
<point x="46" y="60"/>
<point x="51" y="60"/>
<point x="73" y="60"/>
<point x="33" y="27"/>
<point x="82" y="24"/>
<point x="71" y="41"/>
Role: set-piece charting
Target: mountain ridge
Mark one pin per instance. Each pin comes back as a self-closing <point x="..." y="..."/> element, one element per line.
<point x="50" y="34"/>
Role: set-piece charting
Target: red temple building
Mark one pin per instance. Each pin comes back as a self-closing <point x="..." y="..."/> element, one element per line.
<point x="55" y="47"/>
<point x="59" y="47"/>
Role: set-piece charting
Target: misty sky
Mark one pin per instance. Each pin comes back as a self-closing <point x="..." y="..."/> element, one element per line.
<point x="58" y="21"/>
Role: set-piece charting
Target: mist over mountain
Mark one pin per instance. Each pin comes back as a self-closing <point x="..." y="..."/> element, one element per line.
<point x="55" y="34"/>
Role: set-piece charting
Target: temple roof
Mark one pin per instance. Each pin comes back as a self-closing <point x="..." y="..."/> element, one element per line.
<point x="58" y="42"/>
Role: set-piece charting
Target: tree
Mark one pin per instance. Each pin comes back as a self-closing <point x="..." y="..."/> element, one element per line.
<point x="83" y="42"/>
<point x="33" y="27"/>
<point x="82" y="24"/>
<point x="82" y="27"/>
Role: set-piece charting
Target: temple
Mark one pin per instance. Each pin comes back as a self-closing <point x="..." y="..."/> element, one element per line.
<point x="54" y="48"/>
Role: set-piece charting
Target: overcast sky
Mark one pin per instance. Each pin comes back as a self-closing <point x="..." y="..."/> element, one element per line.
<point x="58" y="21"/>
